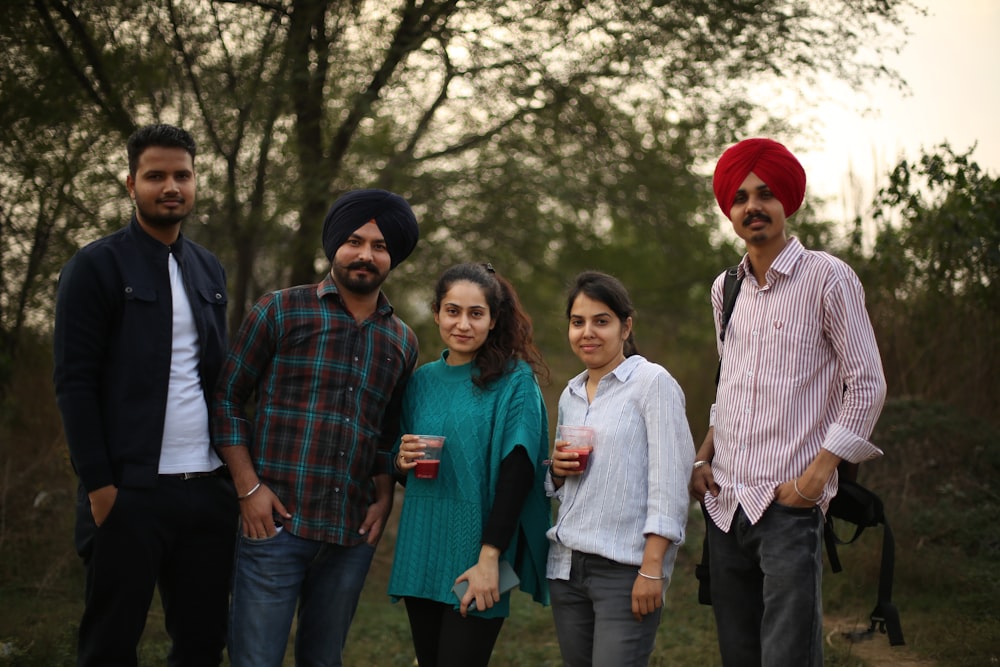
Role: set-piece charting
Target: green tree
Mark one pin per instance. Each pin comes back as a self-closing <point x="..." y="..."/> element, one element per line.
<point x="549" y="136"/>
<point x="932" y="280"/>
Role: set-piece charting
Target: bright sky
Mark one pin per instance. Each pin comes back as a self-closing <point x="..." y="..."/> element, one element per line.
<point x="952" y="64"/>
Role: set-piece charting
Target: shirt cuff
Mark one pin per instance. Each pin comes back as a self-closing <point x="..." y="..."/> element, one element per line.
<point x="550" y="487"/>
<point x="849" y="446"/>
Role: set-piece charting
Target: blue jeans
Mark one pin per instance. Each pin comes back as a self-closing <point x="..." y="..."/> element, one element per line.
<point x="767" y="588"/>
<point x="592" y="611"/>
<point x="271" y="576"/>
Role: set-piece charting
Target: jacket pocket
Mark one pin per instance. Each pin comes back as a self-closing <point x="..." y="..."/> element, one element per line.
<point x="139" y="293"/>
<point x="213" y="295"/>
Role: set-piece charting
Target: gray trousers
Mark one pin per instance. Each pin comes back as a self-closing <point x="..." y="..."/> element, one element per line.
<point x="592" y="611"/>
<point x="767" y="588"/>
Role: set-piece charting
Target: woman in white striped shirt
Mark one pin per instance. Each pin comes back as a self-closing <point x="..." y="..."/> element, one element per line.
<point x="621" y="520"/>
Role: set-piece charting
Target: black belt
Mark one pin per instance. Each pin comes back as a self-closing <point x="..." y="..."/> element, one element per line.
<point x="218" y="472"/>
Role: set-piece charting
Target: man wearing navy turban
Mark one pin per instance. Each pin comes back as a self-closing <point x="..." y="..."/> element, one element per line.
<point x="327" y="364"/>
<point x="800" y="389"/>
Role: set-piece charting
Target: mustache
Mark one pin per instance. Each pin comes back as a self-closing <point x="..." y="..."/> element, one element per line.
<point x="756" y="216"/>
<point x="367" y="266"/>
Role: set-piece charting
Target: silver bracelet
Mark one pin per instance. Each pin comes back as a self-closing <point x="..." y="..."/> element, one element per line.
<point x="795" y="483"/>
<point x="698" y="464"/>
<point x="647" y="576"/>
<point x="249" y="493"/>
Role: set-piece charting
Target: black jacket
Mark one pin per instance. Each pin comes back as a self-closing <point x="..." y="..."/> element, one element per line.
<point x="112" y="344"/>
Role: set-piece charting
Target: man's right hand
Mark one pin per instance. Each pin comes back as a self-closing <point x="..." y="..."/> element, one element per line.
<point x="101" y="502"/>
<point x="702" y="482"/>
<point x="258" y="512"/>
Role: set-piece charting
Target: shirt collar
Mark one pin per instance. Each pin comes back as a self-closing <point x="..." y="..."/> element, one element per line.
<point x="784" y="264"/>
<point x="788" y="258"/>
<point x="622" y="372"/>
<point x="154" y="245"/>
<point x="327" y="287"/>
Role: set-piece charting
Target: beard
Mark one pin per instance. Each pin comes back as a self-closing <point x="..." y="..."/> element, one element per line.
<point x="759" y="236"/>
<point x="362" y="284"/>
<point x="153" y="215"/>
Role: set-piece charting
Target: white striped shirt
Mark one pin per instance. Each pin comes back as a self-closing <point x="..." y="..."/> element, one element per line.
<point x="800" y="371"/>
<point x="637" y="477"/>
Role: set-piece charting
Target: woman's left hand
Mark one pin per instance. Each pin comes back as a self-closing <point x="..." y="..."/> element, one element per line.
<point x="647" y="596"/>
<point x="484" y="582"/>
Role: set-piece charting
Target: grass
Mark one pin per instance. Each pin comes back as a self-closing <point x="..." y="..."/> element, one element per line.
<point x="938" y="481"/>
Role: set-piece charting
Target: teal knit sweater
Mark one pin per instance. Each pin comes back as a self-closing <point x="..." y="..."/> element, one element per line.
<point x="442" y="521"/>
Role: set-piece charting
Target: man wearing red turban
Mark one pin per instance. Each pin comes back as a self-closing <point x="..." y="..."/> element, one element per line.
<point x="800" y="389"/>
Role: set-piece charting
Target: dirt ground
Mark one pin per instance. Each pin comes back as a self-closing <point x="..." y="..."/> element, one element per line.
<point x="873" y="649"/>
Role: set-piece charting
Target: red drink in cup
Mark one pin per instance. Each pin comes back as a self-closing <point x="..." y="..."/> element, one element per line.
<point x="427" y="469"/>
<point x="582" y="456"/>
<point x="429" y="465"/>
<point x="579" y="439"/>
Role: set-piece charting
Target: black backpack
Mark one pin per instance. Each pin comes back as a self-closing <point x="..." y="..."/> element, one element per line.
<point x="853" y="504"/>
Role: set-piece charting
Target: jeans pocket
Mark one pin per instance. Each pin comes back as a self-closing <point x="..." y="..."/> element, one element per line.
<point x="278" y="528"/>
<point x="797" y="511"/>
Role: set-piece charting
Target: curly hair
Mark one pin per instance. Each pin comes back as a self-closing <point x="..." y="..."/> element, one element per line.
<point x="512" y="335"/>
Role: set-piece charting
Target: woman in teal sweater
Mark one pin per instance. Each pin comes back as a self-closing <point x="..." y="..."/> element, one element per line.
<point x="488" y="503"/>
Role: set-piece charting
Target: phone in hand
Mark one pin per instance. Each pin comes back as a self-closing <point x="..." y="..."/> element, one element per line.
<point x="508" y="580"/>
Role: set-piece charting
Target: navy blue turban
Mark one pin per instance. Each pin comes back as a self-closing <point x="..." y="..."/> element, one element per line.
<point x="392" y="214"/>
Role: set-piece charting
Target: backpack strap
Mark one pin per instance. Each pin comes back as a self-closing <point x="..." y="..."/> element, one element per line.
<point x="701" y="571"/>
<point x="856" y="504"/>
<point x="730" y="290"/>
<point x="885" y="616"/>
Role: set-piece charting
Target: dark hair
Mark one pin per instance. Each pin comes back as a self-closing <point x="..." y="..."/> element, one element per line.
<point x="611" y="292"/>
<point x="166" y="136"/>
<point x="511" y="336"/>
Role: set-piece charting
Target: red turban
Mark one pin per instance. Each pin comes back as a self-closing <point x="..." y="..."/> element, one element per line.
<point x="771" y="162"/>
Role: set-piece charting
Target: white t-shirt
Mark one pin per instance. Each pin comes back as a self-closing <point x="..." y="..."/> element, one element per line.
<point x="186" y="442"/>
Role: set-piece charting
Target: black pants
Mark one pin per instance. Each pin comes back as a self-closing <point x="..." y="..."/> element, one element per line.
<point x="442" y="638"/>
<point x="178" y="536"/>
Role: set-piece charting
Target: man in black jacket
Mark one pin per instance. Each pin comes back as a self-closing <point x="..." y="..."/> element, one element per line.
<point x="140" y="334"/>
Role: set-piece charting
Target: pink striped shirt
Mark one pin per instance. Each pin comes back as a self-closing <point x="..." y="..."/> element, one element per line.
<point x="801" y="371"/>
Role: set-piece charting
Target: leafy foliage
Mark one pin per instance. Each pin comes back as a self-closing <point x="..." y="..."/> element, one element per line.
<point x="548" y="136"/>
<point x="932" y="280"/>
